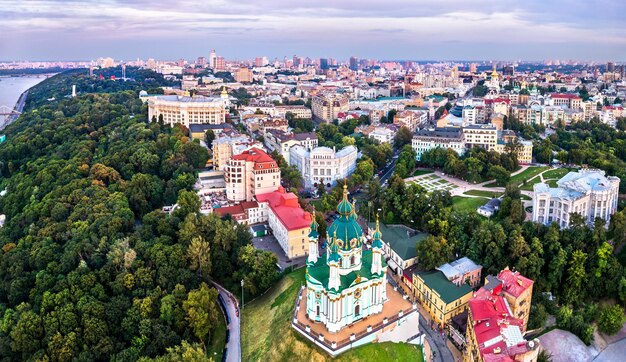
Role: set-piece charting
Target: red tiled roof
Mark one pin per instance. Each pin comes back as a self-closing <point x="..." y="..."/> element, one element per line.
<point x="491" y="317"/>
<point x="286" y="207"/>
<point x="236" y="211"/>
<point x="262" y="161"/>
<point x="513" y="282"/>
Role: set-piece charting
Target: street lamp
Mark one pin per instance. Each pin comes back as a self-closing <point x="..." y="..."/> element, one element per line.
<point x="241" y="293"/>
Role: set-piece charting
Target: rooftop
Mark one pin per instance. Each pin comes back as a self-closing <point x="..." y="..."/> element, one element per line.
<point x="458" y="267"/>
<point x="286" y="207"/>
<point x="448" y="291"/>
<point x="399" y="240"/>
<point x="258" y="156"/>
<point x="513" y="282"/>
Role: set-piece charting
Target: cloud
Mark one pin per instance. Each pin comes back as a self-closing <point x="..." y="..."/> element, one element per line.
<point x="316" y="26"/>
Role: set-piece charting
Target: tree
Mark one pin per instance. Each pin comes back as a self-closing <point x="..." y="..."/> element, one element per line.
<point x="611" y="319"/>
<point x="199" y="254"/>
<point x="474" y="168"/>
<point x="433" y="251"/>
<point x="202" y="311"/>
<point x="188" y="202"/>
<point x="501" y="175"/>
<point x="573" y="291"/>
<point x="402" y="137"/>
<point x="209" y="136"/>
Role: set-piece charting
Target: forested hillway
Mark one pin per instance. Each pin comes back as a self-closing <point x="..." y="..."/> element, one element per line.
<point x="80" y="277"/>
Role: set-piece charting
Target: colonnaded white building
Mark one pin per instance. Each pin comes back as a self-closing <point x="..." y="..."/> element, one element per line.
<point x="188" y="110"/>
<point x="587" y="192"/>
<point x="323" y="164"/>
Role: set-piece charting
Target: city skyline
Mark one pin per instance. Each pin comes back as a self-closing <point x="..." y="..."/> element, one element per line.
<point x="485" y="29"/>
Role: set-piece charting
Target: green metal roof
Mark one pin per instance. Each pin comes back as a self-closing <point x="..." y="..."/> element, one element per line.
<point x="448" y="291"/>
<point x="400" y="243"/>
<point x="320" y="271"/>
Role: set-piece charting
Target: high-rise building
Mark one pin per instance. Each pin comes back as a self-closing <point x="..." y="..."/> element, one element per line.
<point x="472" y="68"/>
<point x="260" y="61"/>
<point x="220" y="63"/>
<point x="324" y="63"/>
<point x="354" y="63"/>
<point x="201" y="61"/>
<point x="508" y="70"/>
<point x="212" y="59"/>
<point x="123" y="71"/>
<point x="610" y="67"/>
<point x="249" y="174"/>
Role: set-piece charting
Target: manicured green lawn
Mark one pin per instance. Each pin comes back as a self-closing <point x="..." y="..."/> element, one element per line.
<point x="524" y="197"/>
<point x="421" y="172"/>
<point x="467" y="203"/>
<point x="556" y="173"/>
<point x="528" y="175"/>
<point x="267" y="334"/>
<point x="482" y="193"/>
<point x="552" y="183"/>
<point x="215" y="349"/>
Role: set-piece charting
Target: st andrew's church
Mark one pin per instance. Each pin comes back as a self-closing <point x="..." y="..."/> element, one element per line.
<point x="347" y="284"/>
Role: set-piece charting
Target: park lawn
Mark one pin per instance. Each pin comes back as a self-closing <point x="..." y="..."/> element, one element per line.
<point x="527" y="198"/>
<point x="215" y="349"/>
<point x="461" y="203"/>
<point x="267" y="334"/>
<point x="557" y="173"/>
<point x="528" y="174"/>
<point x="482" y="193"/>
<point x="421" y="172"/>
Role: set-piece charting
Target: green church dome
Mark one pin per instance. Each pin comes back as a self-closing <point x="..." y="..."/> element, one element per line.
<point x="345" y="228"/>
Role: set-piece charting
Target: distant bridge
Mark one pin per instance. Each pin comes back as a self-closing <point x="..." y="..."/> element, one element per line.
<point x="6" y="111"/>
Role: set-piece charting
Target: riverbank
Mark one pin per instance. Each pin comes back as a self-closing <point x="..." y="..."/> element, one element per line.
<point x="19" y="107"/>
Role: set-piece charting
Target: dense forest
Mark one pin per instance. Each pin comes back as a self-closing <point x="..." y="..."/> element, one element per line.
<point x="90" y="267"/>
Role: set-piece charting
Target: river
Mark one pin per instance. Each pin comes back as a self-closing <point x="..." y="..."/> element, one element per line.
<point x="12" y="87"/>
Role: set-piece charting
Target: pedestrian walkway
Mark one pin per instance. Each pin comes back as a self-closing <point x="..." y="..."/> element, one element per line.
<point x="233" y="347"/>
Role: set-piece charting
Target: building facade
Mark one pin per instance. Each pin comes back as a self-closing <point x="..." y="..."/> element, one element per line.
<point x="326" y="106"/>
<point x="586" y="192"/>
<point x="186" y="110"/>
<point x="441" y="298"/>
<point x="251" y="173"/>
<point x="288" y="222"/>
<point x="443" y="137"/>
<point x="323" y="165"/>
<point x="347" y="283"/>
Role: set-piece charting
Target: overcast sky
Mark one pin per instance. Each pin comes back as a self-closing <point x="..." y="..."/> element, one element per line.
<point x="382" y="29"/>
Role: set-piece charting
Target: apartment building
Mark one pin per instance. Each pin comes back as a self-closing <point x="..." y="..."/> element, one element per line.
<point x="326" y="106"/>
<point x="229" y="144"/>
<point x="441" y="298"/>
<point x="411" y="119"/>
<point x="586" y="192"/>
<point x="251" y="173"/>
<point x="277" y="140"/>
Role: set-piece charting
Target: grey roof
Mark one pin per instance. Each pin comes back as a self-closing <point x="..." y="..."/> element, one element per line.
<point x="440" y="132"/>
<point x="458" y="267"/>
<point x="587" y="180"/>
<point x="204" y="127"/>
<point x="305" y="135"/>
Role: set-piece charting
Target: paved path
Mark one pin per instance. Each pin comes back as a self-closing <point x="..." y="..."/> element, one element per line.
<point x="234" y="327"/>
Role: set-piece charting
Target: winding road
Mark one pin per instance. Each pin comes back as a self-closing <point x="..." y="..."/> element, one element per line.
<point x="234" y="327"/>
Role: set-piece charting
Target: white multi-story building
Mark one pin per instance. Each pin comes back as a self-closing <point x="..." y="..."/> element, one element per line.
<point x="586" y="192"/>
<point x="186" y="110"/>
<point x="251" y="173"/>
<point x="443" y="137"/>
<point x="323" y="165"/>
<point x="481" y="135"/>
